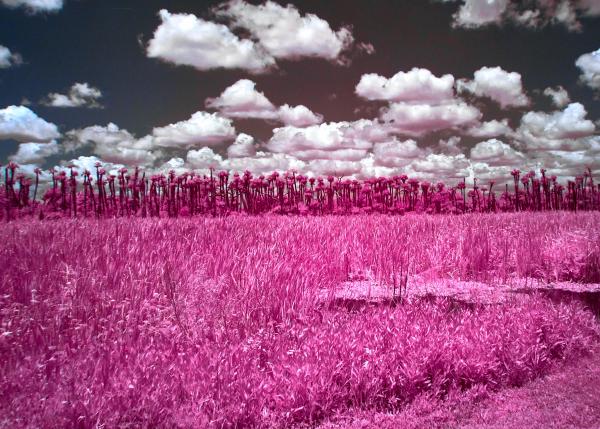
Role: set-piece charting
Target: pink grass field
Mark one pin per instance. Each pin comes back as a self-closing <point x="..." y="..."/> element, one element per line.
<point x="242" y="321"/>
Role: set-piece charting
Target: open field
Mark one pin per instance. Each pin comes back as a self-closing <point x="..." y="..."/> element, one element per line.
<point x="277" y="321"/>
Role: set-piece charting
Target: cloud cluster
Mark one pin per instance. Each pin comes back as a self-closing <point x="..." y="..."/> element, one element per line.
<point x="201" y="128"/>
<point x="21" y="124"/>
<point x="285" y="33"/>
<point x="34" y="153"/>
<point x="242" y="100"/>
<point x="534" y="13"/>
<point x="8" y="58"/>
<point x="185" y="39"/>
<point x="493" y="128"/>
<point x="505" y="88"/>
<point x="242" y="147"/>
<point x="80" y="95"/>
<point x="334" y="140"/>
<point x="113" y="144"/>
<point x="276" y="32"/>
<point x="560" y="130"/>
<point x="34" y="6"/>
<point x="589" y="64"/>
<point x="420" y="119"/>
<point x="496" y="153"/>
<point x="417" y="85"/>
<point x="117" y="145"/>
<point x="559" y="95"/>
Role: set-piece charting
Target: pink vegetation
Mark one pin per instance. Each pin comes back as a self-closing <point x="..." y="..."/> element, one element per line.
<point x="101" y="194"/>
<point x="216" y="322"/>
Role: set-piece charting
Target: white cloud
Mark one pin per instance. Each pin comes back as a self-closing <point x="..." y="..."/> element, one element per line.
<point x="559" y="95"/>
<point x="501" y="86"/>
<point x="203" y="158"/>
<point x="114" y="145"/>
<point x="493" y="128"/>
<point x="417" y="85"/>
<point x="201" y="129"/>
<point x="333" y="136"/>
<point x="298" y="116"/>
<point x="450" y="146"/>
<point x="88" y="163"/>
<point x="533" y="13"/>
<point x="33" y="153"/>
<point x="557" y="130"/>
<point x="475" y="13"/>
<point x="325" y="167"/>
<point x="35" y="5"/>
<point x="242" y="147"/>
<point x="440" y="166"/>
<point x="335" y="154"/>
<point x="590" y="69"/>
<point x="80" y="95"/>
<point x="20" y="123"/>
<point x="397" y="153"/>
<point x="264" y="162"/>
<point x="242" y="100"/>
<point x="8" y="58"/>
<point x="185" y="39"/>
<point x="568" y="123"/>
<point x="496" y="153"/>
<point x="285" y="33"/>
<point x="419" y="119"/>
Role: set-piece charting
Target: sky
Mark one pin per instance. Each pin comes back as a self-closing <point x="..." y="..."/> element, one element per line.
<point x="436" y="89"/>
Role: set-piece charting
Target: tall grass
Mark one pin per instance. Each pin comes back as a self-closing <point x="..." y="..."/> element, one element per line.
<point x="216" y="322"/>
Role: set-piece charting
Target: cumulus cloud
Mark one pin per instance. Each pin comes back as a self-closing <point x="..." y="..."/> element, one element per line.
<point x="264" y="162"/>
<point x="88" y="163"/>
<point x="450" y="146"/>
<point x="203" y="158"/>
<point x="242" y="147"/>
<point x="332" y="140"/>
<point x="201" y="129"/>
<point x="298" y="116"/>
<point x="501" y="86"/>
<point x="8" y="58"/>
<point x="80" y="95"/>
<point x="323" y="167"/>
<point x="534" y="14"/>
<point x="33" y="153"/>
<point x="441" y="166"/>
<point x="559" y="96"/>
<point x="242" y="100"/>
<point x="568" y="123"/>
<point x="556" y="130"/>
<point x="475" y="13"/>
<point x="420" y="119"/>
<point x="496" y="153"/>
<point x="20" y="123"/>
<point x="285" y="33"/>
<point x="114" y="145"/>
<point x="417" y="85"/>
<point x="35" y="6"/>
<point x="493" y="128"/>
<point x="589" y="64"/>
<point x="185" y="39"/>
<point x="397" y="153"/>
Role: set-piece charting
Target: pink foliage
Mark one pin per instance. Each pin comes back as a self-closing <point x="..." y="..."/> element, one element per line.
<point x="217" y="322"/>
<point x="189" y="194"/>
